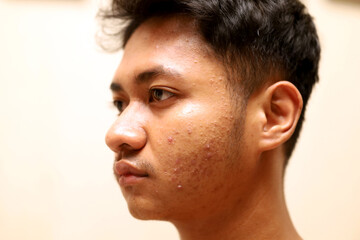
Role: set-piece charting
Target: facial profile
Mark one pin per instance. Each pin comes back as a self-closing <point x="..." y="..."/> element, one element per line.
<point x="210" y="97"/>
<point x="173" y="138"/>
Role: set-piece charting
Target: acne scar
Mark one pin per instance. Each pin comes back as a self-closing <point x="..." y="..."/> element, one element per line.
<point x="189" y="130"/>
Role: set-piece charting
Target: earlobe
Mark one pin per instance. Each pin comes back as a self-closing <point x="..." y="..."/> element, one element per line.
<point x="282" y="107"/>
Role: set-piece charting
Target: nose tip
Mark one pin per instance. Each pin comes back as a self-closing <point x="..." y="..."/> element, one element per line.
<point x="120" y="136"/>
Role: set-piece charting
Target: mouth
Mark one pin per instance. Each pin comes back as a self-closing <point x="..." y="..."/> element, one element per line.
<point x="128" y="173"/>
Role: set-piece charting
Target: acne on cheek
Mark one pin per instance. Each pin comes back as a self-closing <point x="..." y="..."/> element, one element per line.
<point x="170" y="140"/>
<point x="189" y="130"/>
<point x="195" y="163"/>
<point x="190" y="172"/>
<point x="171" y="137"/>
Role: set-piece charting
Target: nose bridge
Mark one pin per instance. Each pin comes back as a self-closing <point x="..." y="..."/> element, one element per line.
<point x="128" y="129"/>
<point x="131" y="117"/>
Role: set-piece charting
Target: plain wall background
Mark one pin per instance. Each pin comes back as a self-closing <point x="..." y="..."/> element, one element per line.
<point x="56" y="172"/>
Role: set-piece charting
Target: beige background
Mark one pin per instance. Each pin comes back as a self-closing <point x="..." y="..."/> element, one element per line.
<point x="56" y="172"/>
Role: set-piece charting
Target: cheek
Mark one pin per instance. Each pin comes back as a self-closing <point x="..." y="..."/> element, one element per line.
<point x="192" y="153"/>
<point x="195" y="167"/>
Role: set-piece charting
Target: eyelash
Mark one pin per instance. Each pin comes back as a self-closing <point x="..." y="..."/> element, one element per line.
<point x="119" y="105"/>
<point x="152" y="97"/>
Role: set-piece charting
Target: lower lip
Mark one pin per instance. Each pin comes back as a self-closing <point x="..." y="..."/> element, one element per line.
<point x="127" y="180"/>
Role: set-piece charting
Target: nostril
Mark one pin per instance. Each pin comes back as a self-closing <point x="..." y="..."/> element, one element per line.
<point x="125" y="147"/>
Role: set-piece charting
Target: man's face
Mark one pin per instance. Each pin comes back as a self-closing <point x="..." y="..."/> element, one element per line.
<point x="178" y="153"/>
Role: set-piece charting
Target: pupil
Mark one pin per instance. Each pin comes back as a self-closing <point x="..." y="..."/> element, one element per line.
<point x="119" y="105"/>
<point x="158" y="94"/>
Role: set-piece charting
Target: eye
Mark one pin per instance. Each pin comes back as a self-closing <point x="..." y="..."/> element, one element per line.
<point x="119" y="105"/>
<point x="157" y="95"/>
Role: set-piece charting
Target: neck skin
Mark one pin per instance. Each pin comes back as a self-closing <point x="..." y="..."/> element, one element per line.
<point x="263" y="215"/>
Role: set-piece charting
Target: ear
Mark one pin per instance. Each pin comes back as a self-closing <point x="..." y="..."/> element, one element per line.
<point x="282" y="106"/>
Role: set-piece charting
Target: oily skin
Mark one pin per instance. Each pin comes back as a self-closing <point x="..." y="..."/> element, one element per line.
<point x="187" y="139"/>
<point x="198" y="175"/>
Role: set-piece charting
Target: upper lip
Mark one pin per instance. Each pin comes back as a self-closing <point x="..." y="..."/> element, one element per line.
<point x="124" y="167"/>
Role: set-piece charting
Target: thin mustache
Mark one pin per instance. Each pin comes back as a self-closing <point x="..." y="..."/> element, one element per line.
<point x="139" y="163"/>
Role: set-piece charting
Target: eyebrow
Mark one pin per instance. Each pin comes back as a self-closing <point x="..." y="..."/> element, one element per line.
<point x="147" y="76"/>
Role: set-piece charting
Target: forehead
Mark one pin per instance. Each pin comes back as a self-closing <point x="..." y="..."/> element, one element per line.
<point x="171" y="25"/>
<point x="167" y="29"/>
<point x="174" y="37"/>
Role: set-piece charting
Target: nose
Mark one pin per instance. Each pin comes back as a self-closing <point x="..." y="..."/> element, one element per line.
<point x="127" y="132"/>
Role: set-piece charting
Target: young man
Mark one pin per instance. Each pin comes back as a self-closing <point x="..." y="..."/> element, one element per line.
<point x="211" y="95"/>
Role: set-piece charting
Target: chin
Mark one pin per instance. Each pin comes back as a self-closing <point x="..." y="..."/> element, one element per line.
<point x="142" y="214"/>
<point x="146" y="211"/>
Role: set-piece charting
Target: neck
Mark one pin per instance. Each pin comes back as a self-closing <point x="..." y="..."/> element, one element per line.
<point x="262" y="215"/>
